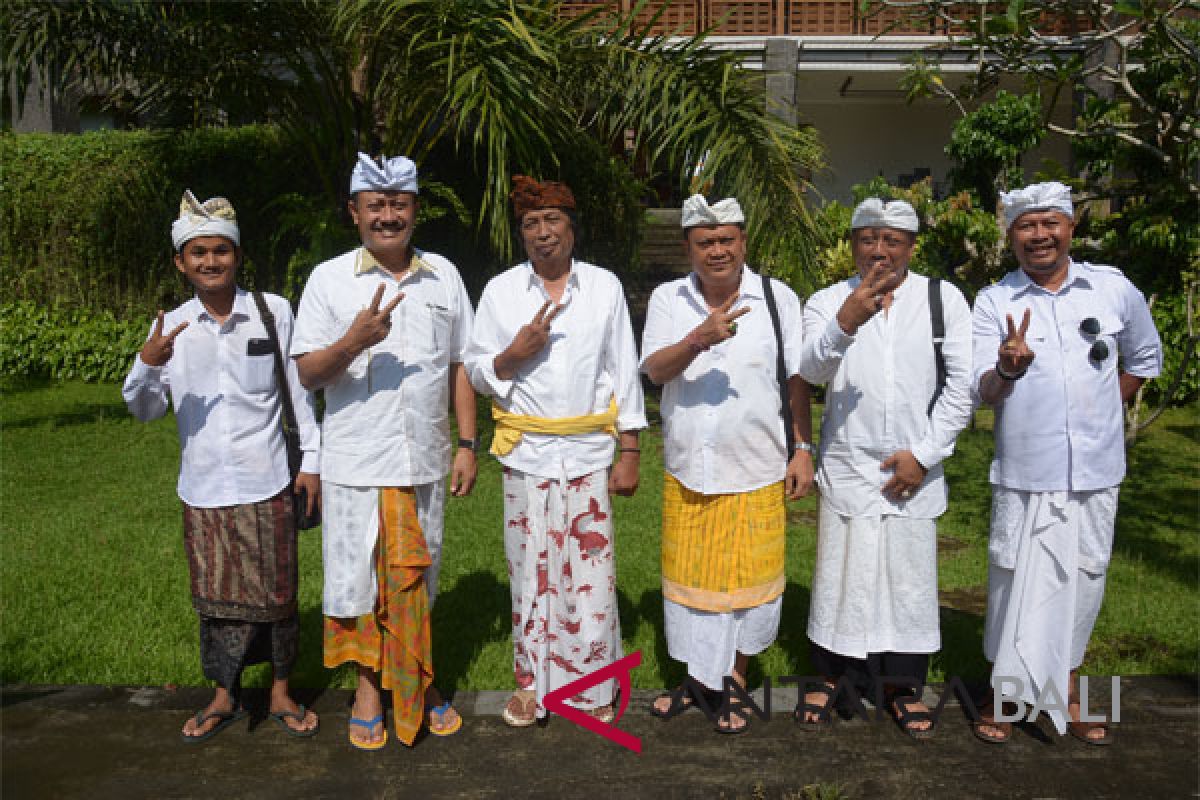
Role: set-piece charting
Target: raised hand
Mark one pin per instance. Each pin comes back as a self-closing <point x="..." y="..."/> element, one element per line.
<point x="157" y="350"/>
<point x="866" y="300"/>
<point x="372" y="325"/>
<point x="1015" y="355"/>
<point x="721" y="324"/>
<point x="533" y="336"/>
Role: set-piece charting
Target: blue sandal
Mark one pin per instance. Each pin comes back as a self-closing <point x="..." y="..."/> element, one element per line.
<point x="368" y="724"/>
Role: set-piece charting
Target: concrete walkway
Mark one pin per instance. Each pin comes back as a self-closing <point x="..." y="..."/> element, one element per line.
<point x="101" y="742"/>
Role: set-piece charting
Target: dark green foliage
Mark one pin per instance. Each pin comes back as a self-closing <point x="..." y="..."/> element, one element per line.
<point x="85" y="220"/>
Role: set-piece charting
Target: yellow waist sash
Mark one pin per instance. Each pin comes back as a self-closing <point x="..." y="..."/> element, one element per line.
<point x="722" y="552"/>
<point x="510" y="427"/>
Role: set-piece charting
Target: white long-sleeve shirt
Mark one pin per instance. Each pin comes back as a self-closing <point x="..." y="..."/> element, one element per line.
<point x="590" y="359"/>
<point x="722" y="421"/>
<point x="221" y="381"/>
<point x="1063" y="425"/>
<point x="880" y="382"/>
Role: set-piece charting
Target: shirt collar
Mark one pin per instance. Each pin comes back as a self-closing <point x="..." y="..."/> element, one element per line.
<point x="1022" y="283"/>
<point x="750" y="285"/>
<point x="242" y="306"/>
<point x="533" y="279"/>
<point x="366" y="262"/>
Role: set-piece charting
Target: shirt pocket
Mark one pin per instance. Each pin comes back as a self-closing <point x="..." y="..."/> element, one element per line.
<point x="256" y="374"/>
<point x="441" y="326"/>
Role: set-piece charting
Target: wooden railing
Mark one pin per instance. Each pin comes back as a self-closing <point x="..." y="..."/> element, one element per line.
<point x="776" y="17"/>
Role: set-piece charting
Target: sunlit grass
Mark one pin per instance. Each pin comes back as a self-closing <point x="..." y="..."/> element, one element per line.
<point x="94" y="588"/>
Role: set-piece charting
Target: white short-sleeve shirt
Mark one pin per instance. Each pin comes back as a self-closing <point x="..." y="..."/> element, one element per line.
<point x="722" y="421"/>
<point x="1062" y="428"/>
<point x="387" y="416"/>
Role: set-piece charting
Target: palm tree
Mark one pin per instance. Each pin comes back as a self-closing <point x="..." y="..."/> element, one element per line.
<point x="515" y="85"/>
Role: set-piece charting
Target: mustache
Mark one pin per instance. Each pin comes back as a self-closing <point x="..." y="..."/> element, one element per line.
<point x="388" y="226"/>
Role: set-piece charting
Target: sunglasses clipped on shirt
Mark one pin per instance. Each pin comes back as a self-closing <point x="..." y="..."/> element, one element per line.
<point x="1091" y="327"/>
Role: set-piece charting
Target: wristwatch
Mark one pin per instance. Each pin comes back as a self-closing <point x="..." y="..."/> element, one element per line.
<point x="805" y="446"/>
<point x="469" y="444"/>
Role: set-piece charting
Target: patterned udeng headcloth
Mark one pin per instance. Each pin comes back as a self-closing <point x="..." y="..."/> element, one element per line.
<point x="213" y="217"/>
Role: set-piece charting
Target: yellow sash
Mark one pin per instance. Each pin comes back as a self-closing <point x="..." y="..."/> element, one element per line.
<point x="510" y="426"/>
<point x="722" y="552"/>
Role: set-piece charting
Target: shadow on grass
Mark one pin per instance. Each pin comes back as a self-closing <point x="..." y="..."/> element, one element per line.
<point x="476" y="612"/>
<point x="81" y="414"/>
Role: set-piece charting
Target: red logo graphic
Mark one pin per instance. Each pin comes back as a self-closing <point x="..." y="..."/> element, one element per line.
<point x="556" y="701"/>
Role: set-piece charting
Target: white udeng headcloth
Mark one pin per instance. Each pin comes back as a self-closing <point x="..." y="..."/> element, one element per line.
<point x="1050" y="196"/>
<point x="213" y="217"/>
<point x="697" y="211"/>
<point x="397" y="174"/>
<point x="874" y="213"/>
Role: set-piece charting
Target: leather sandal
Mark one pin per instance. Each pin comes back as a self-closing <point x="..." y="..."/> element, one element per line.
<point x="521" y="709"/>
<point x="824" y="711"/>
<point x="900" y="708"/>
<point x="1080" y="731"/>
<point x="988" y="719"/>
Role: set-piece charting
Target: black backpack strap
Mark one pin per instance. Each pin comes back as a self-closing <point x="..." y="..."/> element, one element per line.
<point x="780" y="366"/>
<point x="937" y="320"/>
<point x="291" y="432"/>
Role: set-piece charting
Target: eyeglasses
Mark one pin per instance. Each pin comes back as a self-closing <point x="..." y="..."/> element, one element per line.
<point x="1091" y="327"/>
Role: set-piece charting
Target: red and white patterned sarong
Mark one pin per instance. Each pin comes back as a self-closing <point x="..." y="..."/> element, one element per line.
<point x="558" y="538"/>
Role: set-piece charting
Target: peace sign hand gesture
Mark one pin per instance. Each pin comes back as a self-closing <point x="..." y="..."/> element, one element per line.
<point x="535" y="335"/>
<point x="866" y="300"/>
<point x="530" y="340"/>
<point x="1015" y="355"/>
<point x="721" y="324"/>
<point x="157" y="350"/>
<point x="372" y="325"/>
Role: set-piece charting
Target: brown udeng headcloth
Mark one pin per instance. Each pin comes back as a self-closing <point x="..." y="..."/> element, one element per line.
<point x="531" y="195"/>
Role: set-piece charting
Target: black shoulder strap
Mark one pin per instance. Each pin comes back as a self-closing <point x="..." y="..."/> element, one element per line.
<point x="290" y="428"/>
<point x="937" y="320"/>
<point x="780" y="366"/>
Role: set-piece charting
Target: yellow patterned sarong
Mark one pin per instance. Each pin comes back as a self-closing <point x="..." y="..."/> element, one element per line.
<point x="510" y="427"/>
<point x="395" y="640"/>
<point x="722" y="552"/>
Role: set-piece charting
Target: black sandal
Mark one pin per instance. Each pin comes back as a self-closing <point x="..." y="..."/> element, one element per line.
<point x="682" y="698"/>
<point x="824" y="711"/>
<point x="899" y="707"/>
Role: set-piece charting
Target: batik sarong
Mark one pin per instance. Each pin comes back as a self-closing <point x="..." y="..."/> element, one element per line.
<point x="243" y="566"/>
<point x="558" y="538"/>
<point x="395" y="640"/>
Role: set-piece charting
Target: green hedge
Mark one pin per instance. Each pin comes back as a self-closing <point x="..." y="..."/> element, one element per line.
<point x="67" y="343"/>
<point x="85" y="219"/>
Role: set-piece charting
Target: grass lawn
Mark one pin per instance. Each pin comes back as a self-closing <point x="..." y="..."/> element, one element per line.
<point x="94" y="587"/>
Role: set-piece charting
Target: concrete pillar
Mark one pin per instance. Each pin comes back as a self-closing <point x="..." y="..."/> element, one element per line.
<point x="779" y="68"/>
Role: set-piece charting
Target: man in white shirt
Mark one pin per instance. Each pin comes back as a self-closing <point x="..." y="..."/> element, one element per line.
<point x="383" y="330"/>
<point x="1060" y="345"/>
<point x="554" y="348"/>
<point x="711" y="343"/>
<point x="217" y="364"/>
<point x="890" y="420"/>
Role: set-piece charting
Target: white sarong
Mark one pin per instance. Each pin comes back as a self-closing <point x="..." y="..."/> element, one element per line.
<point x="1048" y="554"/>
<point x="349" y="530"/>
<point x="709" y="641"/>
<point x="875" y="585"/>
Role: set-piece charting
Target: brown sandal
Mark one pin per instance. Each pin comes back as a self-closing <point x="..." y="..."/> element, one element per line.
<point x="521" y="709"/>
<point x="988" y="719"/>
<point x="1080" y="731"/>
